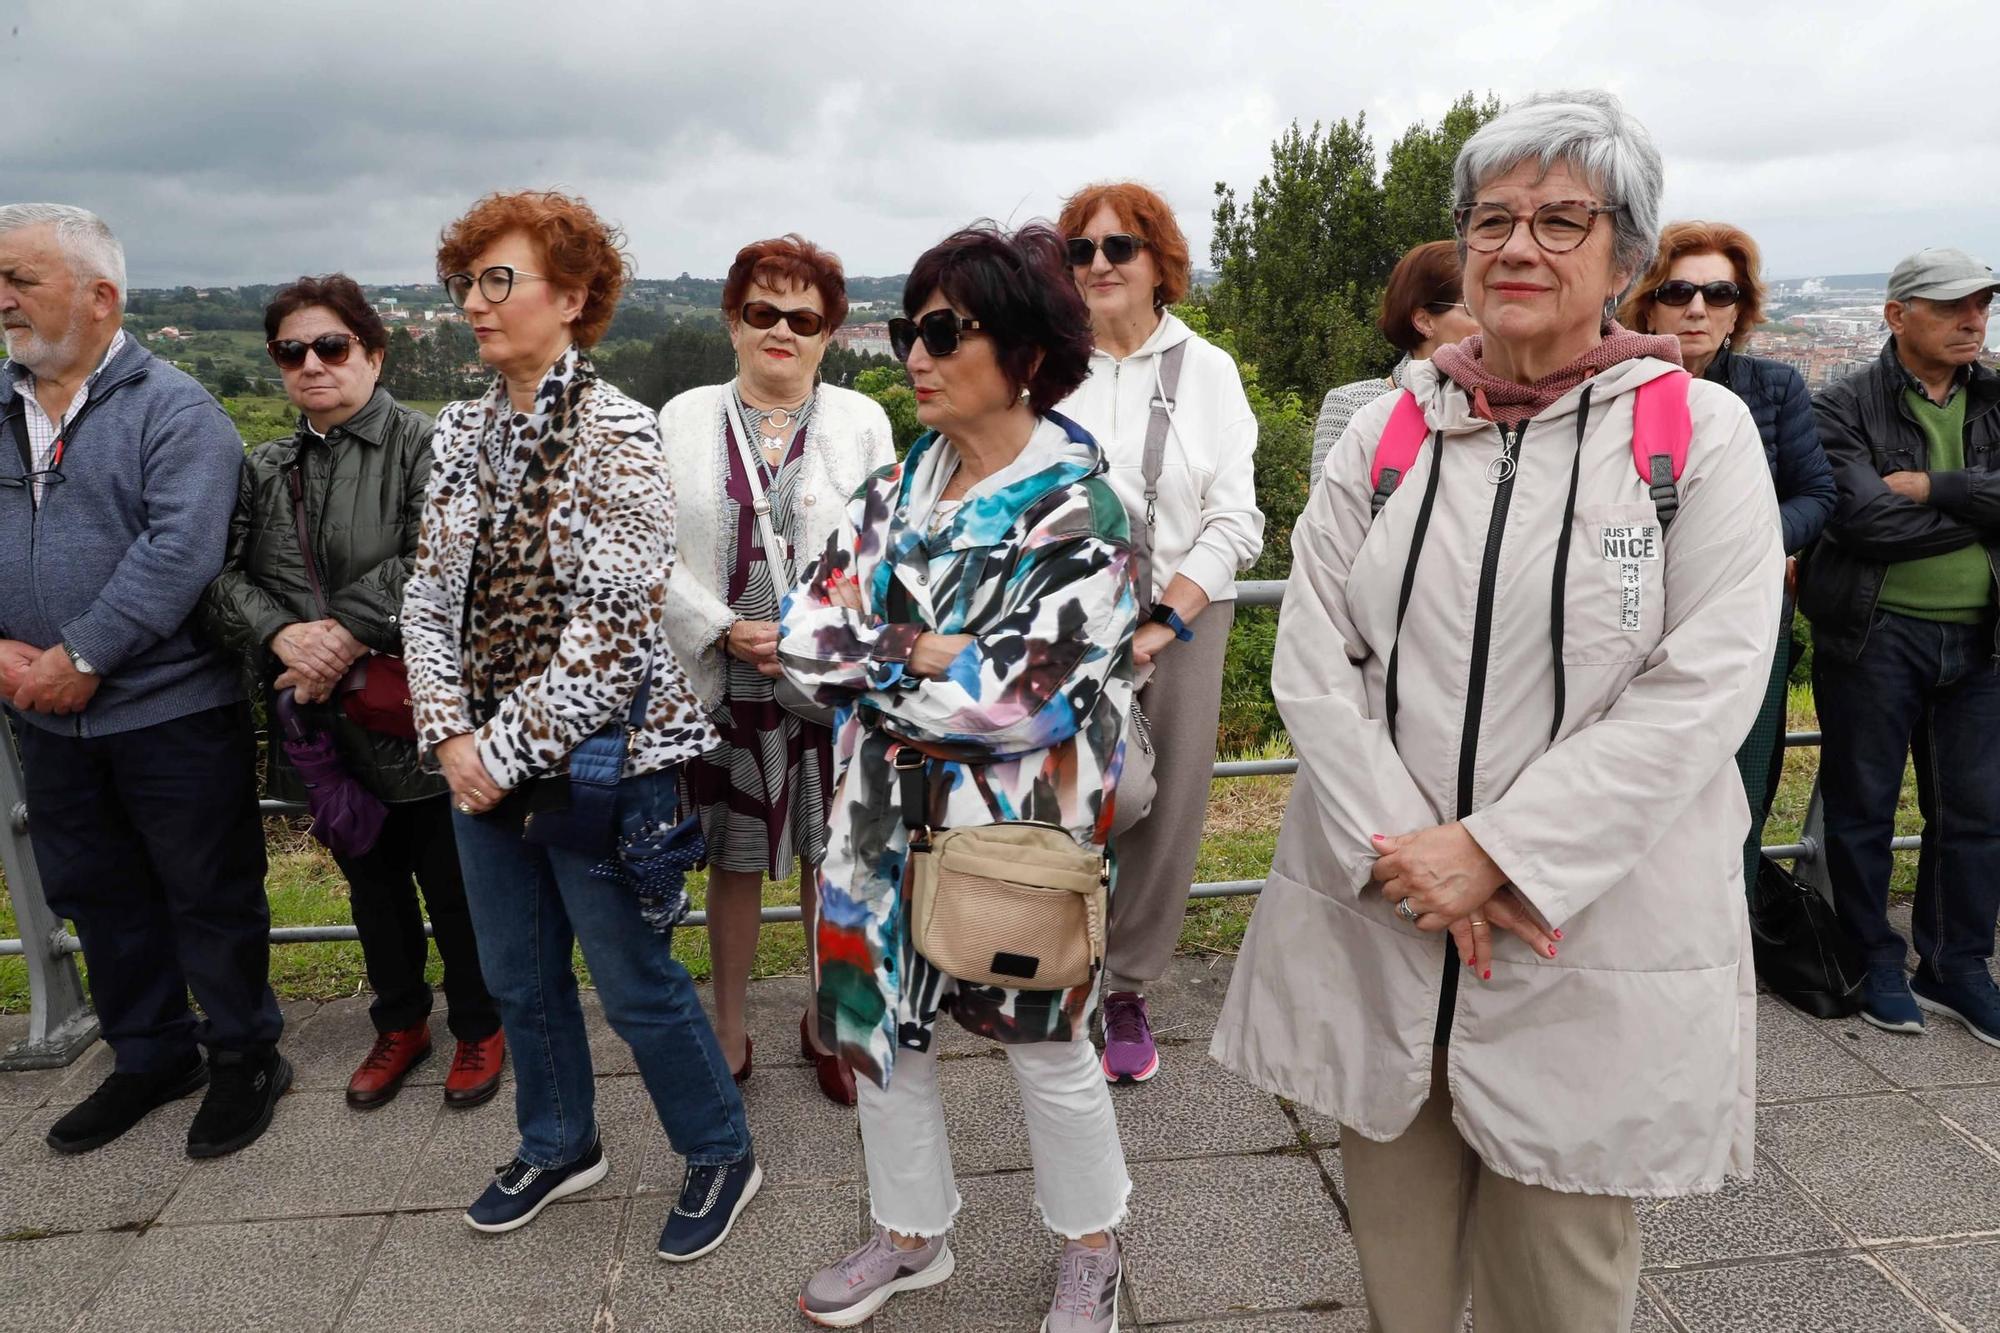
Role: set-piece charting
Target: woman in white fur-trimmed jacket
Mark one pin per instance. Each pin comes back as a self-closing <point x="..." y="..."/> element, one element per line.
<point x="775" y="436"/>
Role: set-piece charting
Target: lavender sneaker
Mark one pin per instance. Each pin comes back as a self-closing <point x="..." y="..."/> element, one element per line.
<point x="1129" y="1053"/>
<point x="846" y="1293"/>
<point x="1086" y="1290"/>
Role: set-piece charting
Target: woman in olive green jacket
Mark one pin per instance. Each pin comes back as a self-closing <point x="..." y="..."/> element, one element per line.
<point x="361" y="463"/>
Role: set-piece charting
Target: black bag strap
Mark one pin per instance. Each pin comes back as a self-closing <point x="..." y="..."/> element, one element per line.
<point x="295" y="483"/>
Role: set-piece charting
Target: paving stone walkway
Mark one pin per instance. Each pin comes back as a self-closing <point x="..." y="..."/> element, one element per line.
<point x="1876" y="1207"/>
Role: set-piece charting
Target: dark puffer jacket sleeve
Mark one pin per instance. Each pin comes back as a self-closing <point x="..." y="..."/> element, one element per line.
<point x="1806" y="491"/>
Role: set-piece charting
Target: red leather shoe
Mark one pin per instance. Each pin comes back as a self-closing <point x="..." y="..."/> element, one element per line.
<point x="475" y="1071"/>
<point x="836" y="1080"/>
<point x="388" y="1062"/>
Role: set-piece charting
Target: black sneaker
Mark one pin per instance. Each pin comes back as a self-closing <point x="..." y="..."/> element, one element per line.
<point x="120" y="1102"/>
<point x="711" y="1198"/>
<point x="243" y="1090"/>
<point x="519" y="1191"/>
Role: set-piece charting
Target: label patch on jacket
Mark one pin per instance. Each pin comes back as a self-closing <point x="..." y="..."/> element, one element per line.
<point x="1630" y="546"/>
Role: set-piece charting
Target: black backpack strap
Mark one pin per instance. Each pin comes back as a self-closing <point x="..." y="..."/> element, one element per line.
<point x="1665" y="491"/>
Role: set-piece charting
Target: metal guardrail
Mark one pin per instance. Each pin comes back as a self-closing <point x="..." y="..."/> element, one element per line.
<point x="61" y="1024"/>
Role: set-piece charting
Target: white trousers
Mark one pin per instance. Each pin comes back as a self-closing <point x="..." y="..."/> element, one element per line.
<point x="1080" y="1181"/>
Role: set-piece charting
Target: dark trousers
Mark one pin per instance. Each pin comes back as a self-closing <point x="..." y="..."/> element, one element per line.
<point x="417" y="849"/>
<point x="149" y="840"/>
<point x="1932" y="688"/>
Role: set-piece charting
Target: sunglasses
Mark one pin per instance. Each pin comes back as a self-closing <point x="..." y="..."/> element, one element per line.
<point x="1119" y="248"/>
<point x="764" y="315"/>
<point x="496" y="284"/>
<point x="939" y="331"/>
<point x="1557" y="227"/>
<point x="330" y="348"/>
<point x="1680" y="292"/>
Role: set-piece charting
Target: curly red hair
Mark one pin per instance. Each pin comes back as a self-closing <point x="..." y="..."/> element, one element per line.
<point x="1150" y="219"/>
<point x="787" y="261"/>
<point x="580" y="250"/>
<point x="1681" y="239"/>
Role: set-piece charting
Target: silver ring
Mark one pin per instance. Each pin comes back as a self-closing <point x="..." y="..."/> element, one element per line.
<point x="1407" y="912"/>
<point x="464" y="808"/>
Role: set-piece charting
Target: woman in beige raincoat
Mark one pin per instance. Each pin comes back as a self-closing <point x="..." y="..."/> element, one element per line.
<point x="1504" y="939"/>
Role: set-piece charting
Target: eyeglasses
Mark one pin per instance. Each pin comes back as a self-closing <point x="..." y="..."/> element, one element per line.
<point x="1439" y="307"/>
<point x="939" y="330"/>
<point x="1680" y="292"/>
<point x="764" y="315"/>
<point x="1557" y="227"/>
<point x="45" y="478"/>
<point x="1120" y="247"/>
<point x="330" y="348"/>
<point x="496" y="284"/>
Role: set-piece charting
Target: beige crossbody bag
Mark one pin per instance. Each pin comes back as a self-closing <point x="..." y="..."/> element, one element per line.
<point x="1016" y="904"/>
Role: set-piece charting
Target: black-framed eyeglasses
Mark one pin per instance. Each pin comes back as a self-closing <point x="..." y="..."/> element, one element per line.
<point x="1120" y="247"/>
<point x="1679" y="292"/>
<point x="496" y="283"/>
<point x="45" y="478"/>
<point x="764" y="315"/>
<point x="939" y="330"/>
<point x="330" y="348"/>
<point x="1558" y="226"/>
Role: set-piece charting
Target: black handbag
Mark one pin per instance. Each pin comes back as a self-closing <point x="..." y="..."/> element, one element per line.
<point x="1803" y="953"/>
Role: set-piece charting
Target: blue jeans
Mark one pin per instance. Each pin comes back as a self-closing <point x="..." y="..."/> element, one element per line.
<point x="1933" y="688"/>
<point x="530" y="905"/>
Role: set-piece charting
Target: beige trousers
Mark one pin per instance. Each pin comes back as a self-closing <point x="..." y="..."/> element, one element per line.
<point x="1433" y="1224"/>
<point x="1182" y="703"/>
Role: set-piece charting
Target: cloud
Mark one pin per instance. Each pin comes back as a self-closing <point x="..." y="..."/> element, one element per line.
<point x="237" y="142"/>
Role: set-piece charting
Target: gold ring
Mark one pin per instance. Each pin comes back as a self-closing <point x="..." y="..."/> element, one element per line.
<point x="464" y="807"/>
<point x="1479" y="921"/>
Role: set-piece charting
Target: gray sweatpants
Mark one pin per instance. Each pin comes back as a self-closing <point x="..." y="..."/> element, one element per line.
<point x="1182" y="703"/>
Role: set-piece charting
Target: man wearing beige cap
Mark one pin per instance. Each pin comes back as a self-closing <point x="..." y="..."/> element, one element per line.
<point x="1900" y="592"/>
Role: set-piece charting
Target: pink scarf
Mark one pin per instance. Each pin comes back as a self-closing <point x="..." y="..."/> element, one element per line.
<point x="1510" y="404"/>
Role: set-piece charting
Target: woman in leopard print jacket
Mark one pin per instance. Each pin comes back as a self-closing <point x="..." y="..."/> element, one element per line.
<point x="531" y="620"/>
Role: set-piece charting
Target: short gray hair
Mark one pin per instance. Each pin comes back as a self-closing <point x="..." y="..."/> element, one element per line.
<point x="93" y="252"/>
<point x="1589" y="130"/>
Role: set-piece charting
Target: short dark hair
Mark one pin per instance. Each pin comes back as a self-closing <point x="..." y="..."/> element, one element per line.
<point x="787" y="261"/>
<point x="1427" y="275"/>
<point x="338" y="293"/>
<point x="1019" y="287"/>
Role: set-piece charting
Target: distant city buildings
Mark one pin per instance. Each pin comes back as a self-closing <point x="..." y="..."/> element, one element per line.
<point x="864" y="338"/>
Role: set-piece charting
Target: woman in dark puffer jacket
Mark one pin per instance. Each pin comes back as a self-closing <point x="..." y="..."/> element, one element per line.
<point x="1704" y="290"/>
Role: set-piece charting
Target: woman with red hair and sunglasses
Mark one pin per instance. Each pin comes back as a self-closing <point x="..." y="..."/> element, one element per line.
<point x="1704" y="290"/>
<point x="762" y="467"/>
<point x="1169" y="410"/>
<point x="306" y="615"/>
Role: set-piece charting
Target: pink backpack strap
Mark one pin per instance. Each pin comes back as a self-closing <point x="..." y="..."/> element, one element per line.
<point x="1661" y="429"/>
<point x="1402" y="439"/>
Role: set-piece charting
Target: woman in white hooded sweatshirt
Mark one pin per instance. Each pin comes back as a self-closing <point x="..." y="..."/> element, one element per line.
<point x="1504" y="940"/>
<point x="1195" y="518"/>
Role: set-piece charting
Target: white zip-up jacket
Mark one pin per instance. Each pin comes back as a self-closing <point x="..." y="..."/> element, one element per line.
<point x="1207" y="523"/>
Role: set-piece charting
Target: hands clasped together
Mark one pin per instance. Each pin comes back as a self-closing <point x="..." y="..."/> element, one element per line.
<point x="43" y="680"/>
<point x="1441" y="879"/>
<point x="316" y="654"/>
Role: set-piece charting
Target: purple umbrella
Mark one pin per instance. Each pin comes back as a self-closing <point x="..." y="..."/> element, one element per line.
<point x="346" y="816"/>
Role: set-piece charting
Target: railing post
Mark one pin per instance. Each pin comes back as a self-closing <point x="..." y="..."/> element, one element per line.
<point x="60" y="1022"/>
<point x="1811" y="868"/>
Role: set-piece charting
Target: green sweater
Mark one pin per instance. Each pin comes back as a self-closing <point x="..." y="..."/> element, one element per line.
<point x="1958" y="585"/>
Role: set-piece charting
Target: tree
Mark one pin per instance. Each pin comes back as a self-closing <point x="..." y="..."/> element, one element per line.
<point x="890" y="387"/>
<point x="1302" y="264"/>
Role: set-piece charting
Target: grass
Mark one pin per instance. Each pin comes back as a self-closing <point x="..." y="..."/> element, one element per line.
<point x="1241" y="834"/>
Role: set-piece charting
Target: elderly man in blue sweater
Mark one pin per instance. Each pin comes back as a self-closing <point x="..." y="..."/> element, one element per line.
<point x="117" y="477"/>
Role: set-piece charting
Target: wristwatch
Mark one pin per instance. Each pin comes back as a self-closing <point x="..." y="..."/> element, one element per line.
<point x="1166" y="615"/>
<point x="76" y="660"/>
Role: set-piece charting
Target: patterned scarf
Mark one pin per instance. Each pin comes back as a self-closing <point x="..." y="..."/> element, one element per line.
<point x="1511" y="403"/>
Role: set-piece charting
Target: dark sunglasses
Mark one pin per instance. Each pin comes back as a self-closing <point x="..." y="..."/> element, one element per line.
<point x="939" y="331"/>
<point x="764" y="315"/>
<point x="330" y="348"/>
<point x="496" y="284"/>
<point x="1119" y="248"/>
<point x="1681" y="292"/>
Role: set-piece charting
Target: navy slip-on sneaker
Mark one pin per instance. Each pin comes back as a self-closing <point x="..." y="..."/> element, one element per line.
<point x="1886" y="1002"/>
<point x="1972" y="999"/>
<point x="519" y="1191"/>
<point x="711" y="1198"/>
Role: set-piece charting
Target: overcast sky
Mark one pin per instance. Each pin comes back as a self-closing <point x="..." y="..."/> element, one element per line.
<point x="249" y="142"/>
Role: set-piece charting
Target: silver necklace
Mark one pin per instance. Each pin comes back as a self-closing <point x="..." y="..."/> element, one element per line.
<point x="779" y="419"/>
